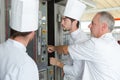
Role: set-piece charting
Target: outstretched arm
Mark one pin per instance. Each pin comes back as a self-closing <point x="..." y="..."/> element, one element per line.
<point x="60" y="49"/>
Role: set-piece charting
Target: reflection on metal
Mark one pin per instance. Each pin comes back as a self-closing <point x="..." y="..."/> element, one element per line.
<point x="58" y="36"/>
<point x="50" y="73"/>
<point x="2" y="20"/>
<point x="42" y="57"/>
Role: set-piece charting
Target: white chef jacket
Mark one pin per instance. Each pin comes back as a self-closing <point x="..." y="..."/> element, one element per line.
<point x="102" y="55"/>
<point x="75" y="71"/>
<point x="15" y="64"/>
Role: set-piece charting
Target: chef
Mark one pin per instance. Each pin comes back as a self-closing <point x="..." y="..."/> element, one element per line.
<point x="102" y="52"/>
<point x="15" y="63"/>
<point x="73" y="70"/>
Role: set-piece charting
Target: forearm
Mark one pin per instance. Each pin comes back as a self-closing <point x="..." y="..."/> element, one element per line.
<point x="62" y="49"/>
<point x="60" y="64"/>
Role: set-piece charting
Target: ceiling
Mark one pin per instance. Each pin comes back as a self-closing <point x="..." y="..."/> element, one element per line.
<point x="112" y="6"/>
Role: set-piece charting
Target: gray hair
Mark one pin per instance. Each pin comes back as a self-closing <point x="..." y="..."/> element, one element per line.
<point x="108" y="18"/>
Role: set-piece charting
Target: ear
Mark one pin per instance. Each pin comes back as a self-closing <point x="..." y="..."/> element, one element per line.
<point x="104" y="26"/>
<point x="75" y="23"/>
<point x="32" y="35"/>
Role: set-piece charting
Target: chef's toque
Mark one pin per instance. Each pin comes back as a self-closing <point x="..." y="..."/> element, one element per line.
<point x="24" y="15"/>
<point x="74" y="9"/>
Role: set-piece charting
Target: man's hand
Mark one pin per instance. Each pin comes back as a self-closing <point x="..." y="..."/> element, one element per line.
<point x="55" y="62"/>
<point x="50" y="48"/>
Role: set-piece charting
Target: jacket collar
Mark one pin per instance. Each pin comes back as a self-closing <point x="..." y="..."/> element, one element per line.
<point x="75" y="33"/>
<point x="107" y="35"/>
<point x="17" y="44"/>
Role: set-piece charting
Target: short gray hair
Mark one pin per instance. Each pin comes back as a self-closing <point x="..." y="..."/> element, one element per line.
<point x="108" y="18"/>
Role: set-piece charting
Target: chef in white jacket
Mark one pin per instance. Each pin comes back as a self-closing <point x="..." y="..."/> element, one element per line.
<point x="73" y="70"/>
<point x="15" y="63"/>
<point x="102" y="52"/>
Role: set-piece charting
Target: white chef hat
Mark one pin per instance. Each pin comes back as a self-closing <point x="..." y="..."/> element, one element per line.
<point x="74" y="9"/>
<point x="24" y="15"/>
